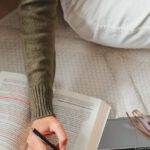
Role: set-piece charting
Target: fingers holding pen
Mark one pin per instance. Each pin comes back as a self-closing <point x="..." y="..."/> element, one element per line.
<point x="47" y="126"/>
<point x="36" y="143"/>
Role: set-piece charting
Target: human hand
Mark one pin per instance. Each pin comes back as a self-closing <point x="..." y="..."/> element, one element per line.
<point x="46" y="126"/>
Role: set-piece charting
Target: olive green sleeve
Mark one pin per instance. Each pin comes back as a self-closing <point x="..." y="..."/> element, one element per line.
<point x="37" y="22"/>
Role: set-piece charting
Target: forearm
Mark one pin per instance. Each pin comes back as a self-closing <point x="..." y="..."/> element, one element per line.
<point x="37" y="27"/>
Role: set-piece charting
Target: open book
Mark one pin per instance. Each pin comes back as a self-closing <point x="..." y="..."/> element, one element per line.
<point x="83" y="117"/>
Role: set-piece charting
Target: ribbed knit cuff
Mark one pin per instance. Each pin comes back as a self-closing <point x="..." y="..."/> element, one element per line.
<point x="41" y="101"/>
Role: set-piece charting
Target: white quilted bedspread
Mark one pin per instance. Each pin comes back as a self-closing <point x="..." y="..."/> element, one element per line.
<point x="119" y="76"/>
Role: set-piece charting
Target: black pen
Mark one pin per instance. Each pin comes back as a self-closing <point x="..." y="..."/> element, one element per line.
<point x="36" y="132"/>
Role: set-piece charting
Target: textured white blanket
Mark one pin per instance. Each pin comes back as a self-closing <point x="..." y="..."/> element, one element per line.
<point x="119" y="76"/>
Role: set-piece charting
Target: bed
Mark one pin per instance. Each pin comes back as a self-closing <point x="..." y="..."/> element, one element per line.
<point x="118" y="76"/>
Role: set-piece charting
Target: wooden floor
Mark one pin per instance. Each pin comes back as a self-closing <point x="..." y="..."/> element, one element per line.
<point x="6" y="6"/>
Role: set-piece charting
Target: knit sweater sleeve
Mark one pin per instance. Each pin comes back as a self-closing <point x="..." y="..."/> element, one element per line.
<point x="37" y="21"/>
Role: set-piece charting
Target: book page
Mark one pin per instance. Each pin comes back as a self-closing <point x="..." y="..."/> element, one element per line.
<point x="14" y="111"/>
<point x="78" y="114"/>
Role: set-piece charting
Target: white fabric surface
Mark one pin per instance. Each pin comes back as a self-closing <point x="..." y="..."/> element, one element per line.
<point x="116" y="23"/>
<point x="119" y="76"/>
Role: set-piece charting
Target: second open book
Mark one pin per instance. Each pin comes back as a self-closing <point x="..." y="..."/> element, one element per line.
<point x="83" y="117"/>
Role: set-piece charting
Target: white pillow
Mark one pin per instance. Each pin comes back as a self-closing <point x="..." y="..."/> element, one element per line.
<point x="116" y="23"/>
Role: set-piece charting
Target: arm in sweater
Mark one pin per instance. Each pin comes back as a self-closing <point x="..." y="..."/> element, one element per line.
<point x="37" y="28"/>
